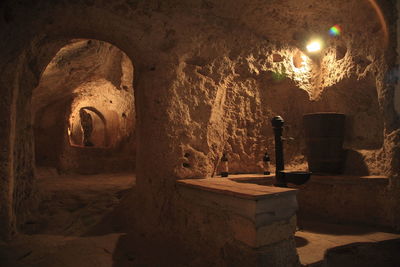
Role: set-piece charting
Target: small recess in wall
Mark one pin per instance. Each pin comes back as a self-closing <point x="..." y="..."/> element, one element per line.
<point x="277" y="58"/>
<point x="340" y="52"/>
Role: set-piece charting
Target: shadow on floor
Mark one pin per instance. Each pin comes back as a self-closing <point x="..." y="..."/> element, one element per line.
<point x="138" y="250"/>
<point x="385" y="253"/>
<point x="300" y="241"/>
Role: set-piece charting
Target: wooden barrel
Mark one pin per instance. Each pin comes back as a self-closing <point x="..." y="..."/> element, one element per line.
<point x="324" y="135"/>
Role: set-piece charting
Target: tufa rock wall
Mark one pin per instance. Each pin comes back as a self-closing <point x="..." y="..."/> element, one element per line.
<point x="209" y="76"/>
<point x="92" y="75"/>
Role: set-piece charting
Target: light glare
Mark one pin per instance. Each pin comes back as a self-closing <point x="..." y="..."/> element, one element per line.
<point x="303" y="60"/>
<point x="314" y="46"/>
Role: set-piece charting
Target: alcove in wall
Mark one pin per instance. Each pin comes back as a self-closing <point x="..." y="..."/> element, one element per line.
<point x="88" y="128"/>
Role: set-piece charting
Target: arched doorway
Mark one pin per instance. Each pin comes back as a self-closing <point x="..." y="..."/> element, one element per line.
<point x="85" y="103"/>
<point x="24" y="61"/>
<point x="84" y="121"/>
<point x="88" y="127"/>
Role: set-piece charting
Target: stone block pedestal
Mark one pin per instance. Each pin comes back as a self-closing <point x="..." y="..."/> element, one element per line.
<point x="260" y="218"/>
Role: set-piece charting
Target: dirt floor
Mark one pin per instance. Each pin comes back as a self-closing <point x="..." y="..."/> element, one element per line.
<point x="66" y="233"/>
<point x="325" y="244"/>
<point x="73" y="228"/>
<point x="73" y="204"/>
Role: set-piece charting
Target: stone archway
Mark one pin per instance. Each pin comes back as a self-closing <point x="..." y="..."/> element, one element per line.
<point x="86" y="79"/>
<point x="19" y="190"/>
<point x="97" y="136"/>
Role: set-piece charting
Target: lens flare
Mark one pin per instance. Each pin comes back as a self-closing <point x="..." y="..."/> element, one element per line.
<point x="335" y="30"/>
<point x="382" y="20"/>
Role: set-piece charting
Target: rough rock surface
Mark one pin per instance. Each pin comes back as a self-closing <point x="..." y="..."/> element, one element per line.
<point x="209" y="75"/>
<point x="97" y="77"/>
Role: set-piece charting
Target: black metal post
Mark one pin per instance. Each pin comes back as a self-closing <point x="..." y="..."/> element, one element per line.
<point x="277" y="124"/>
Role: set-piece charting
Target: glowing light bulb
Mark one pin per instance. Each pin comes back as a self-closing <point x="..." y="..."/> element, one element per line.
<point x="314" y="46"/>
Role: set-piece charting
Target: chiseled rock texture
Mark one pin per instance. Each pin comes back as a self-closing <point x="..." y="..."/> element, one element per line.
<point x="209" y="76"/>
<point x="97" y="77"/>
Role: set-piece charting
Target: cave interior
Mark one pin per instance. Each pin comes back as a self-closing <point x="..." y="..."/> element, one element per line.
<point x="140" y="133"/>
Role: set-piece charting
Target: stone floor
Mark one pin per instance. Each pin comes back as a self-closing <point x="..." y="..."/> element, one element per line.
<point x="73" y="204"/>
<point x="316" y="239"/>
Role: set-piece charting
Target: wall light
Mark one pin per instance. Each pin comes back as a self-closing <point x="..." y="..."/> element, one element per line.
<point x="314" y="46"/>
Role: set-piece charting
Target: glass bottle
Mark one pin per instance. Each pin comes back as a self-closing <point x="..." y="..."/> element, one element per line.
<point x="266" y="164"/>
